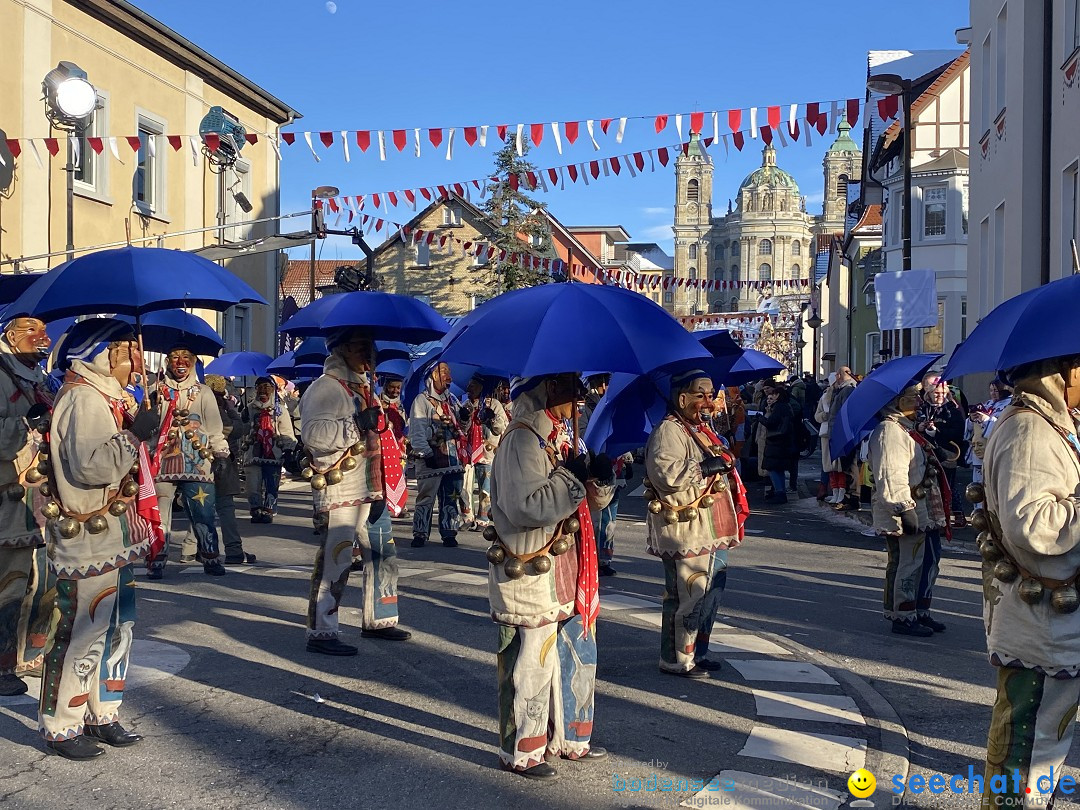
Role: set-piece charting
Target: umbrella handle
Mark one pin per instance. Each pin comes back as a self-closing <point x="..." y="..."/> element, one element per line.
<point x="142" y="357"/>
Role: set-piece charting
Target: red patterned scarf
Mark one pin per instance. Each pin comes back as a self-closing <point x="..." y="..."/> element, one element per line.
<point x="738" y="490"/>
<point x="264" y="432"/>
<point x="939" y="473"/>
<point x="474" y="442"/>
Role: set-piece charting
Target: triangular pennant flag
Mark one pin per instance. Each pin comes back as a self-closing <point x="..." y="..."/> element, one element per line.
<point x="738" y="139"/>
<point x="410" y="197"/>
<point x="594" y="168"/>
<point x="629" y="165"/>
<point x="345" y="144"/>
<point x="558" y="138"/>
<point x="519" y="141"/>
<point x="697" y="121"/>
<point x="307" y="137"/>
<point x="615" y="166"/>
<point x="483" y="136"/>
<point x="501" y="130"/>
<point x="572" y="171"/>
<point x="888" y="107"/>
<point x="391" y="197"/>
<point x="470" y="135"/>
<point x="459" y="189"/>
<point x="251" y="137"/>
<point x="678" y="124"/>
<point x="766" y="135"/>
<point x="435" y="136"/>
<point x="753" y="123"/>
<point x="662" y="155"/>
<point x="592" y="134"/>
<point x="734" y="118"/>
<point x="815" y="118"/>
<point x="639" y="161"/>
<point x="37" y="154"/>
<point x="660" y="124"/>
<point x="382" y="145"/>
<point x="834" y="117"/>
<point x="585" y="173"/>
<point x="327" y="139"/>
<point x="853" y="105"/>
<point x="450" y="144"/>
<point x="416" y="141"/>
<point x="400" y="139"/>
<point x="363" y="139"/>
<point x="174" y="142"/>
<point x="536" y="133"/>
<point x="425" y="193"/>
<point x="621" y="131"/>
<point x="135" y="142"/>
<point x="571" y="129"/>
<point x="773" y="116"/>
<point x="604" y="124"/>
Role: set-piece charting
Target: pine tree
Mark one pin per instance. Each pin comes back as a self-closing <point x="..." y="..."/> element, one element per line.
<point x="520" y="227"/>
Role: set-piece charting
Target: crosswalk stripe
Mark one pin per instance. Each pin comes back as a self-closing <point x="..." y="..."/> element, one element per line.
<point x="789" y="671"/>
<point x="825" y="752"/>
<point x="808" y="706"/>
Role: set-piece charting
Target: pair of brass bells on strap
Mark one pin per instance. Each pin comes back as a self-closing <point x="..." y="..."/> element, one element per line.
<point x="684" y="514"/>
<point x="180" y="422"/>
<point x="336" y="474"/>
<point x="514" y="567"/>
<point x="69" y="527"/>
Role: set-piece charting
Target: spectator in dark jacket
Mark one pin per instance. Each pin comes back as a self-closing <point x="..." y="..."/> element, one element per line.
<point x="941" y="420"/>
<point x="780" y="444"/>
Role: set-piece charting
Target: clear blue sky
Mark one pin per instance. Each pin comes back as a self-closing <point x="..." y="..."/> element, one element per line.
<point x="354" y="64"/>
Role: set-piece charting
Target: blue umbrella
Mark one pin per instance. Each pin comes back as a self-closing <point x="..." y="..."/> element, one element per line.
<point x="388" y="316"/>
<point x="395" y="367"/>
<point x="1035" y="325"/>
<point x="570" y="327"/>
<point x="284" y="362"/>
<point x="13" y="285"/>
<point x="311" y="350"/>
<point x="306" y="371"/>
<point x="753" y="365"/>
<point x="131" y="281"/>
<point x="460" y="373"/>
<point x="628" y="412"/>
<point x="391" y="350"/>
<point x="240" y="364"/>
<point x="164" y="329"/>
<point x="858" y="415"/>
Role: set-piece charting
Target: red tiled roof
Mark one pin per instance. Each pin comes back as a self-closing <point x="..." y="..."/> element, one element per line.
<point x="870" y="218"/>
<point x="296" y="282"/>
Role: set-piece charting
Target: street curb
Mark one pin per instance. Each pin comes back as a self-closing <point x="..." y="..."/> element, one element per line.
<point x="892" y="758"/>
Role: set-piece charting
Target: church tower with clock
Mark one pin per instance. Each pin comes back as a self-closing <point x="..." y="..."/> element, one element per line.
<point x="693" y="223"/>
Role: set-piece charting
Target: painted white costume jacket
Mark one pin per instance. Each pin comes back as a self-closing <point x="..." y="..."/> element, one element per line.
<point x="179" y="460"/>
<point x="20" y="388"/>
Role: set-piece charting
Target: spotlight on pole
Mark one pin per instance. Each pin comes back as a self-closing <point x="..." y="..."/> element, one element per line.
<point x="70" y="99"/>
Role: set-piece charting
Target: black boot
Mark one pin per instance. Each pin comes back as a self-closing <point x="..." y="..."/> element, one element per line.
<point x="388" y="633"/>
<point x="77" y="748"/>
<point x="113" y="734"/>
<point x="933" y="624"/>
<point x="11" y="685"/>
<point x="911" y="629"/>
<point x="330" y="646"/>
<point x="541" y="771"/>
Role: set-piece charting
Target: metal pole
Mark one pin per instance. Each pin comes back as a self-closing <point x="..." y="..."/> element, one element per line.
<point x="905" y="334"/>
<point x="70" y="170"/>
<point x="315" y="204"/>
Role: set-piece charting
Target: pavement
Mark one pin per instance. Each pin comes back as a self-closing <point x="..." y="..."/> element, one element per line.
<point x="237" y="714"/>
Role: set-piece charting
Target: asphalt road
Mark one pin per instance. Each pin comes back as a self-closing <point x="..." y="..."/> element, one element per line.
<point x="237" y="714"/>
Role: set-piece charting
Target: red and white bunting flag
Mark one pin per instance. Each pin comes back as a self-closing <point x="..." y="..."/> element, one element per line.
<point x="662" y="155"/>
<point x="536" y="134"/>
<point x="615" y="165"/>
<point x="435" y="136"/>
<point x="345" y="144"/>
<point x="753" y="123"/>
<point x="307" y="138"/>
<point x="697" y="121"/>
<point x="592" y="134"/>
<point x="363" y="140"/>
<point x="734" y="118"/>
<point x="400" y="138"/>
<point x="572" y="170"/>
<point x="483" y="136"/>
<point x="557" y="137"/>
<point x="450" y="144"/>
<point x="571" y="129"/>
<point x="773" y="115"/>
<point x="470" y="135"/>
<point x="678" y="125"/>
<point x="519" y="140"/>
<point x="888" y="107"/>
<point x="620" y="131"/>
<point x="327" y="139"/>
<point x="375" y="201"/>
<point x="853" y="106"/>
<point x="416" y="142"/>
<point x="382" y="145"/>
<point x="174" y="141"/>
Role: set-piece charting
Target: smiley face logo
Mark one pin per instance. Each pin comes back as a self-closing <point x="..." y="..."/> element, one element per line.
<point x="862" y="783"/>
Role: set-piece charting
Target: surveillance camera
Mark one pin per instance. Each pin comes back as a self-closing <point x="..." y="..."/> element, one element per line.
<point x="243" y="202"/>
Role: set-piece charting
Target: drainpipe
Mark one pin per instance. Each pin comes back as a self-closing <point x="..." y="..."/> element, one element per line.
<point x="1047" y="115"/>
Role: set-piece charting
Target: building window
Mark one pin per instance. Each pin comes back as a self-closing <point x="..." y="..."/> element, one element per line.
<point x="718" y="253"/>
<point x="1072" y="27"/>
<point x="896" y="237"/>
<point x="795" y="270"/>
<point x="90" y="168"/>
<point x="999" y="254"/>
<point x="718" y="274"/>
<point x="841" y="187"/>
<point x="934" y="211"/>
<point x="149" y="185"/>
<point x="423" y="254"/>
<point x="691" y="252"/>
<point x="796" y="248"/>
<point x="873" y="346"/>
<point x="693" y="192"/>
<point x="718" y="306"/>
<point x="237" y="182"/>
<point x="963" y="318"/>
<point x="765" y="247"/>
<point x="451" y="215"/>
<point x="734" y="305"/>
<point x="480" y="258"/>
<point x="964" y="208"/>
<point x="985" y="98"/>
<point x="236" y="328"/>
<point x="734" y="274"/>
<point x="933" y="338"/>
<point x="692" y="274"/>
<point x="764" y="272"/>
<point x="734" y="249"/>
<point x="669" y="297"/>
<point x="1001" y="36"/>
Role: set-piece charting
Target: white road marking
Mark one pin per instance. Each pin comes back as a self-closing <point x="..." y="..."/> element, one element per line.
<point x="654" y="618"/>
<point x="791" y="671"/>
<point x="745" y="644"/>
<point x="824" y="752"/>
<point x="617" y="601"/>
<point x="807" y="706"/>
<point x="746" y="791"/>
<point x="462" y="578"/>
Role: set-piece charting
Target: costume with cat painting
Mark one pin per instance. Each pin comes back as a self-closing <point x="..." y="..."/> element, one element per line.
<point x="95" y="444"/>
<point x="546" y="618"/>
<point x="269" y="438"/>
<point x="26" y="590"/>
<point x="343" y="430"/>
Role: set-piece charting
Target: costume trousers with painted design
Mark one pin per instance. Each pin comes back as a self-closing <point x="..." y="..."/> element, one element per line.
<point x="262" y="482"/>
<point x="604" y="527"/>
<point x="1031" y="731"/>
<point x="225" y="506"/>
<point x="199" y="503"/>
<point x="546" y="681"/>
<point x="348" y="525"/>
<point x="910" y="574"/>
<point x="379" y="553"/>
<point x="482" y="475"/>
<point x="693" y="588"/>
<point x="447" y="490"/>
<point x="86" y="665"/>
<point x="468" y="483"/>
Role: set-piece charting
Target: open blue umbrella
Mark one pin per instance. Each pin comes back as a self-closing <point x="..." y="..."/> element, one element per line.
<point x="391" y="350"/>
<point x="388" y="316"/>
<point x="1035" y="325"/>
<point x="752" y="365"/>
<point x="858" y="415"/>
<point x="570" y="327"/>
<point x="131" y="281"/>
<point x="395" y="367"/>
<point x="12" y="285"/>
<point x="240" y="364"/>
<point x="460" y="373"/>
<point x="310" y="350"/>
<point x="164" y="329"/>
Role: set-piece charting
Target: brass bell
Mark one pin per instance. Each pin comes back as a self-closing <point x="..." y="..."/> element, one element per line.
<point x="1031" y="591"/>
<point x="490" y="534"/>
<point x="130" y="489"/>
<point x="318" y="481"/>
<point x="720" y="484"/>
<point x="306" y="473"/>
<point x="196" y="444"/>
<point x="97" y="524"/>
<point x="707" y="501"/>
<point x="189" y="434"/>
<point x="69" y="528"/>
<point x="514" y="568"/>
<point x="33" y="475"/>
<point x="348" y="463"/>
<point x="1065" y="599"/>
<point x="1005" y="571"/>
<point x="334" y="476"/>
<point x="560" y="546"/>
<point x="990" y="551"/>
<point x="979" y="521"/>
<point x="572" y="526"/>
<point x="177" y="422"/>
<point x="174" y="434"/>
<point x="684" y="515"/>
<point x="17" y="492"/>
<point x="541" y="564"/>
<point x="496" y="554"/>
<point x="647" y="483"/>
<point x="43" y="466"/>
<point x="358" y="448"/>
<point x="975" y="492"/>
<point x="45" y="489"/>
<point x="134" y="471"/>
<point x="51" y="510"/>
<point x="671" y="516"/>
<point x="183" y="413"/>
<point x="205" y="454"/>
<point x="918" y="491"/>
<point x="117" y="508"/>
<point x="42" y="457"/>
<point x="649" y="495"/>
<point x="656" y="507"/>
<point x="43" y="448"/>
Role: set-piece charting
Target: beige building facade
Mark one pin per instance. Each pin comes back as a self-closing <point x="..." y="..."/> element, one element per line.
<point x="151" y="83"/>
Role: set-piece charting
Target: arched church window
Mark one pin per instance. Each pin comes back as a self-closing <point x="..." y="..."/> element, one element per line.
<point x="692" y="274"/>
<point x="718" y="274"/>
<point x="717" y="306"/>
<point x="764" y="272"/>
<point x="765" y="247"/>
<point x="734" y="249"/>
<point x="841" y="186"/>
<point x="693" y="192"/>
<point x="692" y="252"/>
<point x="795" y="270"/>
<point x="718" y="252"/>
<point x="734" y="274"/>
<point x="735" y="304"/>
<point x="796" y="248"/>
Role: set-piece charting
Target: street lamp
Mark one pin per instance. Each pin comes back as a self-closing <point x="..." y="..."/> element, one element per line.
<point x="892" y="84"/>
<point x="70" y="102"/>
<point x="318" y="227"/>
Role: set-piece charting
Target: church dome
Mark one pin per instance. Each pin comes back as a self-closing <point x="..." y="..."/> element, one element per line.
<point x="769" y="174"/>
